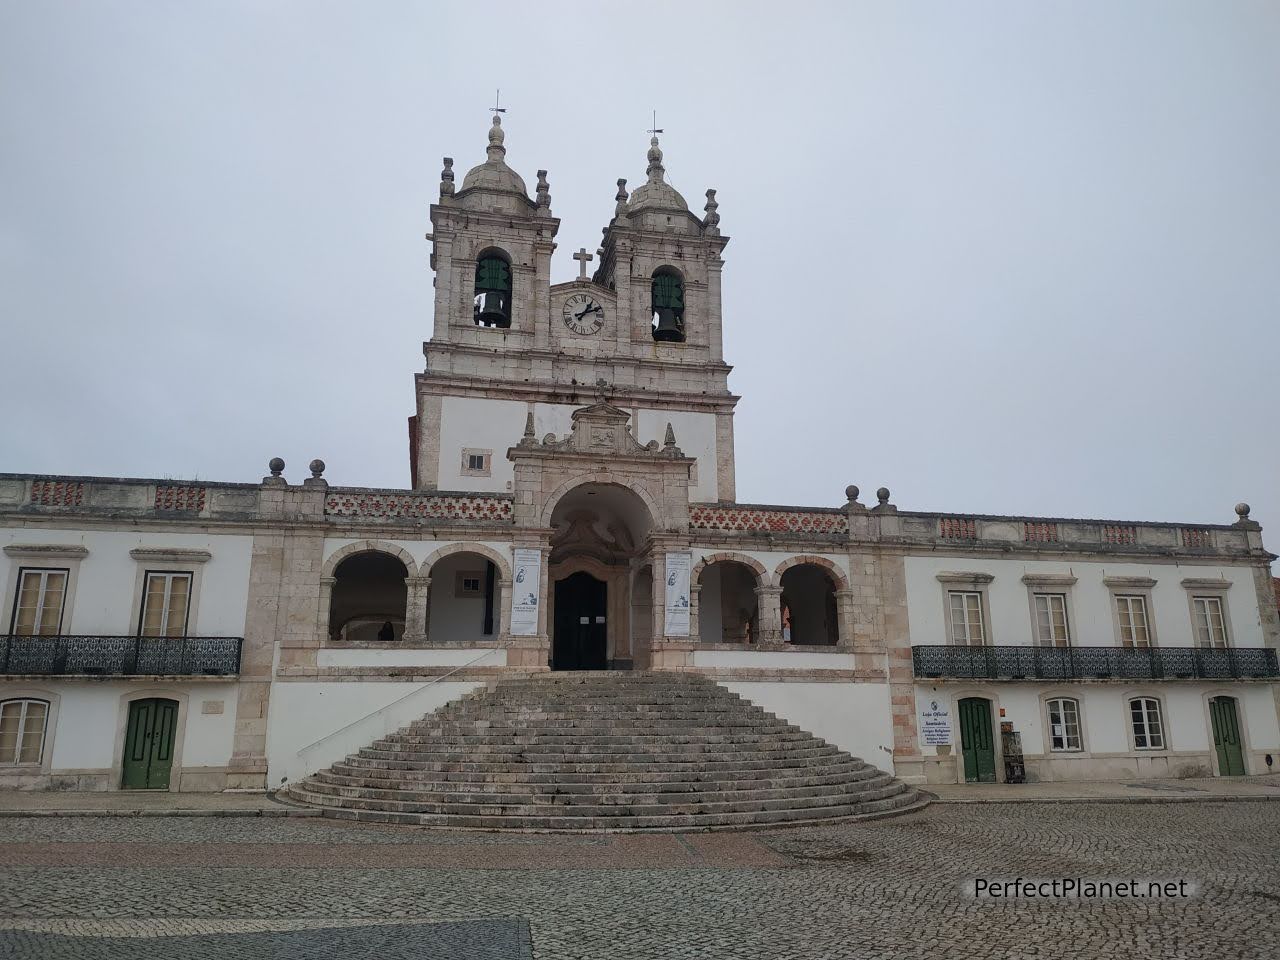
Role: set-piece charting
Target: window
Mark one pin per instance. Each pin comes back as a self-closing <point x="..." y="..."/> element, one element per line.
<point x="1064" y="724"/>
<point x="475" y="462"/>
<point x="38" y="610"/>
<point x="493" y="291"/>
<point x="1211" y="625"/>
<point x="470" y="583"/>
<point x="667" y="302"/>
<point x="1148" y="731"/>
<point x="22" y="724"/>
<point x="1132" y="612"/>
<point x="1051" y="620"/>
<point x="165" y="601"/>
<point x="966" y="617"/>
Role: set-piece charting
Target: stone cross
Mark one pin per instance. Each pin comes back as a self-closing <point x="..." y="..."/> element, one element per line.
<point x="582" y="257"/>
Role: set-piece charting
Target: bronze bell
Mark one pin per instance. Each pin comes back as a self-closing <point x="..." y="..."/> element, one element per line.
<point x="670" y="326"/>
<point x="493" y="309"/>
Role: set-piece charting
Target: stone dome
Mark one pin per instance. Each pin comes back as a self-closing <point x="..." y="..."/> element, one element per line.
<point x="655" y="193"/>
<point x="494" y="174"/>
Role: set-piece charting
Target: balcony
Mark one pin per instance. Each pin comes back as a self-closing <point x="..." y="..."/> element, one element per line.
<point x="97" y="656"/>
<point x="948" y="662"/>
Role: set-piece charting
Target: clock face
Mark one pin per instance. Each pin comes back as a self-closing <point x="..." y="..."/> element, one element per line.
<point x="583" y="314"/>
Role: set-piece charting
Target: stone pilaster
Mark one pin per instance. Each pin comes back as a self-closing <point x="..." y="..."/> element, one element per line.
<point x="769" y="605"/>
<point x="695" y="607"/>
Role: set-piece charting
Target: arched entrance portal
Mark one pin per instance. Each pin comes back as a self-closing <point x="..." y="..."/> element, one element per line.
<point x="599" y="558"/>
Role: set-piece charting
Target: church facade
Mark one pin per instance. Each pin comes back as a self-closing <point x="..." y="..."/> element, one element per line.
<point x="572" y="507"/>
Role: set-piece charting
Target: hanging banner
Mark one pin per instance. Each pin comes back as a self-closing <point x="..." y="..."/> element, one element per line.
<point x="678" y="565"/>
<point x="524" y="593"/>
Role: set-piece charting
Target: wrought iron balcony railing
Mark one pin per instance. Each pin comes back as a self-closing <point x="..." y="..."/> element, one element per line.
<point x="1092" y="663"/>
<point x="61" y="656"/>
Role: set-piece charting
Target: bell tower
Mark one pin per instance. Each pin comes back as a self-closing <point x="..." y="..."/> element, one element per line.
<point x="642" y="334"/>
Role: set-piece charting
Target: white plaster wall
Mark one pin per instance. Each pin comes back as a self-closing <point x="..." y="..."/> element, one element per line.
<point x="1104" y="710"/>
<point x="445" y="657"/>
<point x="695" y="436"/>
<point x="1090" y="600"/>
<point x="91" y="716"/>
<point x="304" y="713"/>
<point x="459" y="619"/>
<point x="852" y="716"/>
<point x="773" y="659"/>
<point x="105" y="602"/>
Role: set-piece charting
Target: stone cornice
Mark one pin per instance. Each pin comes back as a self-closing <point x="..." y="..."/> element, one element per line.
<point x="966" y="578"/>
<point x="170" y="555"/>
<point x="46" y="551"/>
<point x="1048" y="579"/>
<point x="1206" y="583"/>
<point x="1129" y="583"/>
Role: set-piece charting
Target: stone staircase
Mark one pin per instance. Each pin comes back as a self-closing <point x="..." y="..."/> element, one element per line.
<point x="602" y="751"/>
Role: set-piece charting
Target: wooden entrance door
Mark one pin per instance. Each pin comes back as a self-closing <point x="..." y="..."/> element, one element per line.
<point x="581" y="637"/>
<point x="976" y="743"/>
<point x="1226" y="736"/>
<point x="148" y="744"/>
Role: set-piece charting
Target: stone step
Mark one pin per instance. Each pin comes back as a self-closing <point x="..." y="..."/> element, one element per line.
<point x="384" y="789"/>
<point x="590" y="753"/>
<point x="560" y="822"/>
<point x="556" y="738"/>
<point x="626" y="807"/>
<point x="604" y="783"/>
<point x="575" y="769"/>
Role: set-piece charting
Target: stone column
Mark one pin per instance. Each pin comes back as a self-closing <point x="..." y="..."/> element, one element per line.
<point x="844" y="619"/>
<point x="695" y="606"/>
<point x="324" y="607"/>
<point x="769" y="602"/>
<point x="502" y="609"/>
<point x="417" y="594"/>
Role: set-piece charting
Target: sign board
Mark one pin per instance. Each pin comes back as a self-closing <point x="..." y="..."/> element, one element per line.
<point x="935" y="724"/>
<point x="524" y="593"/>
<point x="677" y="592"/>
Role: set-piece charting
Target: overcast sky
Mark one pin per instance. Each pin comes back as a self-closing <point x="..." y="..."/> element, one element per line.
<point x="1000" y="257"/>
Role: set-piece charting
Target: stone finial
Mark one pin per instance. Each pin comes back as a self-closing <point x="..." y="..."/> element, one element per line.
<point x="669" y="441"/>
<point x="544" y="191"/>
<point x="1242" y="511"/>
<point x="655" y="170"/>
<point x="317" y="468"/>
<point x="851" y="493"/>
<point x="276" y="466"/>
<point x="621" y="197"/>
<point x="446" y="178"/>
<point x="495" y="150"/>
<point x="712" y="220"/>
<point x="883" y="496"/>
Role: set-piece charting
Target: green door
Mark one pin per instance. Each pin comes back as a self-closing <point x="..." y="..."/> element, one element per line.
<point x="148" y="744"/>
<point x="976" y="743"/>
<point x="1226" y="736"/>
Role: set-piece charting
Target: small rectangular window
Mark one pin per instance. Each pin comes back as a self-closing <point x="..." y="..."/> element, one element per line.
<point x="22" y="726"/>
<point x="1148" y="731"/>
<point x="469" y="583"/>
<point x="475" y="463"/>
<point x="1064" y="724"/>
<point x="1051" y="620"/>
<point x="966" y="618"/>
<point x="165" y="601"/>
<point x="1211" y="625"/>
<point x="1132" y="612"/>
<point x="38" y="608"/>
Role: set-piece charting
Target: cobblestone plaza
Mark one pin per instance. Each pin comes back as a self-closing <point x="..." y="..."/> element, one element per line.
<point x="99" y="887"/>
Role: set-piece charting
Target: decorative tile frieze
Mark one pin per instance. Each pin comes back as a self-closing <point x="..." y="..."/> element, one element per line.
<point x="755" y="519"/>
<point x="390" y="506"/>
<point x="57" y="493"/>
<point x="957" y="528"/>
<point x="1196" y="538"/>
<point x="1119" y="533"/>
<point x="180" y="498"/>
<point x="1039" y="532"/>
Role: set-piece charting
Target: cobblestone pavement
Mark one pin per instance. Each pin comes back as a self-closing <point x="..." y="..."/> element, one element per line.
<point x="90" y="888"/>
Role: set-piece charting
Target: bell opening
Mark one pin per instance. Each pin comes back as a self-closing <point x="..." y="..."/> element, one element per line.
<point x="668" y="325"/>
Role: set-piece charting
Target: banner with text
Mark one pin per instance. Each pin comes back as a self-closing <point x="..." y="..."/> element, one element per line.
<point x="678" y="566"/>
<point x="524" y="593"/>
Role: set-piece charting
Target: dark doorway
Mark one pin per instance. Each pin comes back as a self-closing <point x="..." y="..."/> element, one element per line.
<point x="581" y="638"/>
<point x="148" y="744"/>
<point x="976" y="743"/>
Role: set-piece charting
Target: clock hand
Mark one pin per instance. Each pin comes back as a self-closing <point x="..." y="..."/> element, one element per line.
<point x="579" y="316"/>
